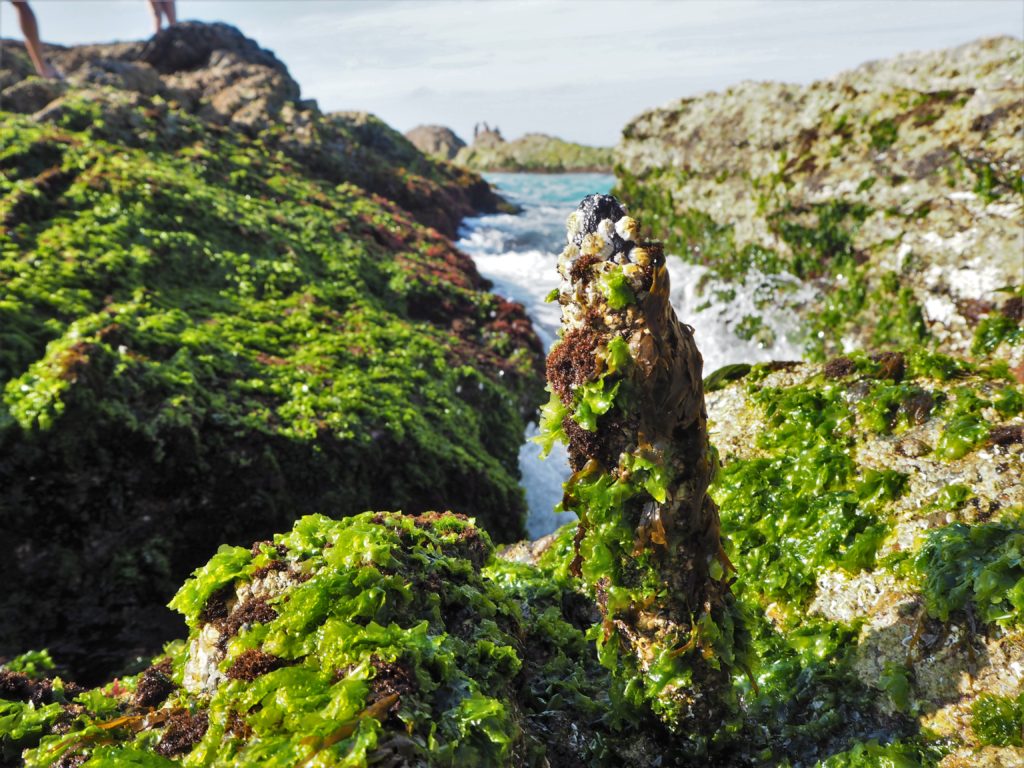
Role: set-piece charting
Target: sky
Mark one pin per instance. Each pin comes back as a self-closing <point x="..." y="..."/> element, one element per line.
<point x="579" y="69"/>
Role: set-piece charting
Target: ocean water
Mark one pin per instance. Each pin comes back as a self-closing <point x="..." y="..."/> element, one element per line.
<point x="518" y="253"/>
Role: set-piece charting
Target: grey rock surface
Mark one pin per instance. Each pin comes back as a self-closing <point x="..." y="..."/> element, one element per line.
<point x="910" y="168"/>
<point x="435" y="140"/>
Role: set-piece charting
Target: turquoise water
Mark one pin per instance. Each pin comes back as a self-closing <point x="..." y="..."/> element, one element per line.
<point x="551" y="189"/>
<point x="519" y="252"/>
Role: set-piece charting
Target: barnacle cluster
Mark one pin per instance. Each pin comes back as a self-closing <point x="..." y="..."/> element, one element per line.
<point x="627" y="397"/>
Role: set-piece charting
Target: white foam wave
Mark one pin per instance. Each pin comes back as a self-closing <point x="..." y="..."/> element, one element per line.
<point x="716" y="310"/>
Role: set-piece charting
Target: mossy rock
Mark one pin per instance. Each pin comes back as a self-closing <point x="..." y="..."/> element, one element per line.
<point x="875" y="513"/>
<point x="881" y="582"/>
<point x="201" y="341"/>
<point x="382" y="638"/>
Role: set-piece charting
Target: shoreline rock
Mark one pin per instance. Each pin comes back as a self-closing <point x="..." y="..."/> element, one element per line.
<point x="207" y="333"/>
<point x="893" y="189"/>
<point x="435" y="140"/>
<point x="532" y="153"/>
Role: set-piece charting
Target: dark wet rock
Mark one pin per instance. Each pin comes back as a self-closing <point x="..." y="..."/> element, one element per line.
<point x="193" y="45"/>
<point x="118" y="73"/>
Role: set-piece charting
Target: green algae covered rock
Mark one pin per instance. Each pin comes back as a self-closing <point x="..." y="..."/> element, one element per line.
<point x="627" y="399"/>
<point x="875" y="510"/>
<point x="203" y="339"/>
<point x="872" y="518"/>
<point x="894" y="191"/>
<point x="380" y="639"/>
<point x="532" y="153"/>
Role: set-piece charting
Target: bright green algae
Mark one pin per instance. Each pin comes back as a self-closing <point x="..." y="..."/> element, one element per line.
<point x="802" y="505"/>
<point x="999" y="720"/>
<point x="978" y="567"/>
<point x="502" y="664"/>
<point x="477" y="661"/>
<point x="503" y="657"/>
<point x="200" y="341"/>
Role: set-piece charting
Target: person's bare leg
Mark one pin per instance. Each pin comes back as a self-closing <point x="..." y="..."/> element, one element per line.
<point x="30" y="29"/>
<point x="158" y="18"/>
<point x="160" y="9"/>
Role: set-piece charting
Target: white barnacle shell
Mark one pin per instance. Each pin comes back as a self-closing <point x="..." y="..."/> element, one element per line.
<point x="627" y="228"/>
<point x="572" y="226"/>
<point x="640" y="256"/>
<point x="202" y="673"/>
<point x="634" y="273"/>
<point x="606" y="229"/>
<point x="594" y="244"/>
<point x="565" y="259"/>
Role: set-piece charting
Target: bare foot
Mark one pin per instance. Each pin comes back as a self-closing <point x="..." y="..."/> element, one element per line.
<point x="50" y="72"/>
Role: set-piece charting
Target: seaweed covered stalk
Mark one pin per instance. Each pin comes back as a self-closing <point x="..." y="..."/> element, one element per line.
<point x="627" y="398"/>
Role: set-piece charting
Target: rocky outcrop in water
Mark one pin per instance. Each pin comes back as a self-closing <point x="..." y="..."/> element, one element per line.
<point x="895" y="189"/>
<point x="435" y="140"/>
<point x="628" y="401"/>
<point x="532" y="153"/>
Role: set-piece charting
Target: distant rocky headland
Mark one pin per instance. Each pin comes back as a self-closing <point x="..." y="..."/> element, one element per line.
<point x="532" y="153"/>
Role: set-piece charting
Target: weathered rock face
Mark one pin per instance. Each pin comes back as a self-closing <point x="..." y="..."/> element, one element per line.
<point x="894" y="188"/>
<point x="212" y="68"/>
<point x="875" y="510"/>
<point x="206" y="334"/>
<point x="534" y="152"/>
<point x="214" y="72"/>
<point x="435" y="140"/>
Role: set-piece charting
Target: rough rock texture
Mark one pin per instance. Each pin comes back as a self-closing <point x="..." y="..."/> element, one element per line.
<point x="879" y="496"/>
<point x="205" y="334"/>
<point x="534" y="152"/>
<point x="30" y="95"/>
<point x="214" y="72"/>
<point x="628" y="401"/>
<point x="895" y="189"/>
<point x="436" y="140"/>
